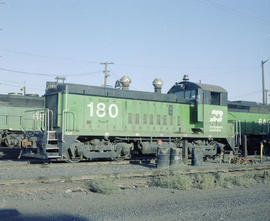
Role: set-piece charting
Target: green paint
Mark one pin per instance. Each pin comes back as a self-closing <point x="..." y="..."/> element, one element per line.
<point x="103" y="116"/>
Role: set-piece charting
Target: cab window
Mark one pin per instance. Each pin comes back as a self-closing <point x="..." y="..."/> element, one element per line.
<point x="215" y="98"/>
<point x="187" y="94"/>
<point x="193" y="95"/>
<point x="180" y="94"/>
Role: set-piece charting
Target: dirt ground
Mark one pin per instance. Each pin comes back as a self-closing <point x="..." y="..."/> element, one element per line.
<point x="153" y="204"/>
<point x="71" y="200"/>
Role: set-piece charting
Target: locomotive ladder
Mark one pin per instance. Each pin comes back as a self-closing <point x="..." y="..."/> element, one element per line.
<point x="51" y="146"/>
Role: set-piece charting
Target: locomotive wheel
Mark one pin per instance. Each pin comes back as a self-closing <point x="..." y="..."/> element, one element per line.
<point x="9" y="142"/>
<point x="69" y="157"/>
<point x="76" y="160"/>
<point x="120" y="158"/>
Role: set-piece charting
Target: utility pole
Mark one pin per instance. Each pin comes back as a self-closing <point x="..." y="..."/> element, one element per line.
<point x="106" y="71"/>
<point x="263" y="90"/>
<point x="23" y="89"/>
<point x="266" y="93"/>
<point x="2" y="3"/>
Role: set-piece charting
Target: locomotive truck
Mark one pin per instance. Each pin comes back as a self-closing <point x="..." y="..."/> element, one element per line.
<point x="90" y="122"/>
<point x="12" y="109"/>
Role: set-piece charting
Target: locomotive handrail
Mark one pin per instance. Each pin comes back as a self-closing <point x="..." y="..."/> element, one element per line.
<point x="237" y="131"/>
<point x="64" y="112"/>
<point x="73" y="119"/>
<point x="40" y="110"/>
<point x="51" y="111"/>
<point x="46" y="122"/>
<point x="7" y="116"/>
<point x="240" y="132"/>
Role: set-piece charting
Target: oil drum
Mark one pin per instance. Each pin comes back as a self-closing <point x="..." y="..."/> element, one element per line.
<point x="175" y="157"/>
<point x="163" y="157"/>
<point x="197" y="157"/>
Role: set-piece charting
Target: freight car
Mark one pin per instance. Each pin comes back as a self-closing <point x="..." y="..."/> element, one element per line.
<point x="12" y="121"/>
<point x="89" y="122"/>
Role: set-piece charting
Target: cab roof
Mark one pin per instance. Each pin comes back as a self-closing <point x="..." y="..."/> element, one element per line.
<point x="187" y="85"/>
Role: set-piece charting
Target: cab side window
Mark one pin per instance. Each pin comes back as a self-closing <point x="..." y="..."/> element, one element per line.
<point x="180" y="94"/>
<point x="188" y="94"/>
<point x="193" y="95"/>
<point x="215" y="98"/>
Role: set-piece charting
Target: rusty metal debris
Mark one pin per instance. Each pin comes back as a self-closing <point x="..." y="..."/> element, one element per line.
<point x="243" y="160"/>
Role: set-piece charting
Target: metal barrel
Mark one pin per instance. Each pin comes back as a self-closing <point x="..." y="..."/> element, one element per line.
<point x="175" y="157"/>
<point x="197" y="157"/>
<point x="163" y="158"/>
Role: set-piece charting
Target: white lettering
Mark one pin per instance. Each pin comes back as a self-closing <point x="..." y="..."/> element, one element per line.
<point x="91" y="107"/>
<point x="217" y="116"/>
<point x="111" y="107"/>
<point x="101" y="110"/>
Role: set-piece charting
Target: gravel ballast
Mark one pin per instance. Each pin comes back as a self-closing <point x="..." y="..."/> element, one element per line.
<point x="151" y="204"/>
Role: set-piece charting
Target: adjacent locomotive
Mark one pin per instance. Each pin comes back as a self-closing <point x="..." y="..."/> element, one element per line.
<point x="253" y="124"/>
<point x="12" y="121"/>
<point x="89" y="122"/>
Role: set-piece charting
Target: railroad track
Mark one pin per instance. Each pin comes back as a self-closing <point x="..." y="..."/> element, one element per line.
<point x="11" y="163"/>
<point x="46" y="182"/>
<point x="135" y="175"/>
<point x="186" y="170"/>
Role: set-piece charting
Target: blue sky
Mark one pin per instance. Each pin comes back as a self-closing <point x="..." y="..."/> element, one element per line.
<point x="218" y="42"/>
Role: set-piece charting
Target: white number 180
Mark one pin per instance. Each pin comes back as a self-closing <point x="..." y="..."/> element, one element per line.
<point x="101" y="110"/>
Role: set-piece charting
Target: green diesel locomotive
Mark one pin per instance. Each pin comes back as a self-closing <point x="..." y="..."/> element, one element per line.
<point x="89" y="122"/>
<point x="12" y="122"/>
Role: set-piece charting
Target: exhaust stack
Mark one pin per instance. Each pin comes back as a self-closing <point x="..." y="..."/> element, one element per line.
<point x="125" y="82"/>
<point x="158" y="83"/>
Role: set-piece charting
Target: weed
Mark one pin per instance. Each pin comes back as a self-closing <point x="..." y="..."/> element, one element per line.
<point x="206" y="182"/>
<point x="102" y="186"/>
<point x="222" y="181"/>
<point x="266" y="177"/>
<point x="180" y="182"/>
<point x="245" y="180"/>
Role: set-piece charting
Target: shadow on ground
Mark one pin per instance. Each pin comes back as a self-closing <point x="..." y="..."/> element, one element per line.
<point x="144" y="164"/>
<point x="14" y="215"/>
<point x="9" y="153"/>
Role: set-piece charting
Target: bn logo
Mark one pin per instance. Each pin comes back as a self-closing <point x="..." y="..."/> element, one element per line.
<point x="216" y="116"/>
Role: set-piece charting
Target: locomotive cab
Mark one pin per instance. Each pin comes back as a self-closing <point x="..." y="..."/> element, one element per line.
<point x="200" y="94"/>
<point x="208" y="111"/>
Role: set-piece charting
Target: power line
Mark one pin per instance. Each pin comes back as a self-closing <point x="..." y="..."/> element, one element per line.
<point x="48" y="57"/>
<point x="77" y="60"/>
<point x="116" y="64"/>
<point x="142" y="66"/>
<point x="83" y="74"/>
<point x="45" y="74"/>
<point x="16" y="84"/>
<point x="247" y="94"/>
<point x="236" y="12"/>
<point x="26" y="72"/>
